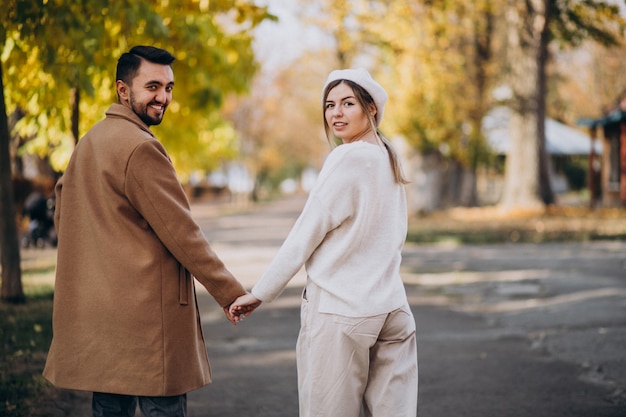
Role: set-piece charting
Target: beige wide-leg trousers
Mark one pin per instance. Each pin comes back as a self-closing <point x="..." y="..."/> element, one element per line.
<point x="346" y="364"/>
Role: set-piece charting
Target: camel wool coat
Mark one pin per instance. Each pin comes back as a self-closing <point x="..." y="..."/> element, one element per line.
<point x="125" y="316"/>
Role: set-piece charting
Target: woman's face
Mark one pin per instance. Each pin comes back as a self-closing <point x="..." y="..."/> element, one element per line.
<point x="344" y="115"/>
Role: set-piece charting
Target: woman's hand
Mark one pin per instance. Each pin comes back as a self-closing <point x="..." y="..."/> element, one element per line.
<point x="243" y="307"/>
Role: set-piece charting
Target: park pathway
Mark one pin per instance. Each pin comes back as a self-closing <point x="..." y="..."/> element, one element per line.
<point x="511" y="330"/>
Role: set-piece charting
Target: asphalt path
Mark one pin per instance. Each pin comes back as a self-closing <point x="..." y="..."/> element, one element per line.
<point x="510" y="330"/>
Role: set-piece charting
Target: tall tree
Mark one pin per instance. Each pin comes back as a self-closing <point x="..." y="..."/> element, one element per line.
<point x="11" y="290"/>
<point x="21" y="21"/>
<point x="532" y="26"/>
<point x="527" y="24"/>
<point x="439" y="63"/>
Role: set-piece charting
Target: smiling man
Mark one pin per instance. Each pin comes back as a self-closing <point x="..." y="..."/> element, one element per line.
<point x="126" y="323"/>
<point x="145" y="87"/>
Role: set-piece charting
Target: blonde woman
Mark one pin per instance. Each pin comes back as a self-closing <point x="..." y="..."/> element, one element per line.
<point x="357" y="347"/>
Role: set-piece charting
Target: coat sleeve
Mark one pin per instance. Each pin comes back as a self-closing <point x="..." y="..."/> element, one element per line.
<point x="154" y="190"/>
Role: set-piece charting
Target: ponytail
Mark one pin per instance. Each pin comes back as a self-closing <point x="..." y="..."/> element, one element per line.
<point x="394" y="160"/>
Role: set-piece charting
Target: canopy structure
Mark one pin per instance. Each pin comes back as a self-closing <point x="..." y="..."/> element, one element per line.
<point x="614" y="117"/>
<point x="560" y="138"/>
<point x="613" y="175"/>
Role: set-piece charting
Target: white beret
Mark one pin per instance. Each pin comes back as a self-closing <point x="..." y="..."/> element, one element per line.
<point x="363" y="78"/>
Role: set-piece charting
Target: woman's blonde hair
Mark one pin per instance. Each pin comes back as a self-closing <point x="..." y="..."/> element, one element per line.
<point x="365" y="100"/>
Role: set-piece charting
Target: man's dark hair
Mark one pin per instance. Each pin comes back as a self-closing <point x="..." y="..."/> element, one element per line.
<point x="129" y="62"/>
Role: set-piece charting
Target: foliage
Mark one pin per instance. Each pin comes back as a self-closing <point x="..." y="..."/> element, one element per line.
<point x="445" y="71"/>
<point x="589" y="35"/>
<point x="51" y="47"/>
<point x="435" y="58"/>
<point x="574" y="21"/>
<point x="281" y="121"/>
<point x="442" y="60"/>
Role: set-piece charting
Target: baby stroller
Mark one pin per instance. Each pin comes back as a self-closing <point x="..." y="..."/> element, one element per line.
<point x="40" y="211"/>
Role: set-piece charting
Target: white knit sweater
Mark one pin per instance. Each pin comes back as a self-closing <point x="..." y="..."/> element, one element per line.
<point x="349" y="236"/>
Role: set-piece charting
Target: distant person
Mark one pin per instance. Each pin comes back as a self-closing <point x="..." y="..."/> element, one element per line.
<point x="40" y="211"/>
<point x="357" y="347"/>
<point x="126" y="322"/>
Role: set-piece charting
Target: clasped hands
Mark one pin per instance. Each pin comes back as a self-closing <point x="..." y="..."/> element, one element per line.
<point x="242" y="307"/>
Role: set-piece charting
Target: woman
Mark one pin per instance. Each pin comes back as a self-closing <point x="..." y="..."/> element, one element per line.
<point x="356" y="347"/>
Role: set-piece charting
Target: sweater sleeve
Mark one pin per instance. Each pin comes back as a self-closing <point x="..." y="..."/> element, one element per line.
<point x="330" y="203"/>
<point x="154" y="190"/>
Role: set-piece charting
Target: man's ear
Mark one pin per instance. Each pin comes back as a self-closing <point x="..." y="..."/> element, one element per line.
<point x="123" y="91"/>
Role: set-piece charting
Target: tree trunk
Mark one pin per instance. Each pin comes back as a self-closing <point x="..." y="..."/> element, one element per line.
<point x="458" y="185"/>
<point x="11" y="290"/>
<point x="545" y="185"/>
<point x="75" y="103"/>
<point x="525" y="22"/>
<point x="468" y="192"/>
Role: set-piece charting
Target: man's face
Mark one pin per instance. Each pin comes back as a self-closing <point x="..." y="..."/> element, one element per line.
<point x="151" y="92"/>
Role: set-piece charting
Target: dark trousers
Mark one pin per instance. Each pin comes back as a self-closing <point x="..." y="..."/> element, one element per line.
<point x="116" y="405"/>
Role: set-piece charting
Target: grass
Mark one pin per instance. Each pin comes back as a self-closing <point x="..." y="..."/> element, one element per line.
<point x="489" y="225"/>
<point x="25" y="335"/>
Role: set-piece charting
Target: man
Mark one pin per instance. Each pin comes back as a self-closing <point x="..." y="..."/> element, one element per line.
<point x="126" y="323"/>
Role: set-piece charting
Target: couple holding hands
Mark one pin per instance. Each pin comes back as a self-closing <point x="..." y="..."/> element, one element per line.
<point x="126" y="324"/>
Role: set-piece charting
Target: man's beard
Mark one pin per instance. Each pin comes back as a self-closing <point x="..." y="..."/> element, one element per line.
<point x="141" y="110"/>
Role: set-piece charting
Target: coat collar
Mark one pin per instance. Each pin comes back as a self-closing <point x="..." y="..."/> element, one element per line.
<point x="117" y="110"/>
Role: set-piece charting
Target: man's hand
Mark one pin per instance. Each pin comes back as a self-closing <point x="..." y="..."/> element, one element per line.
<point x="229" y="316"/>
<point x="242" y="307"/>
